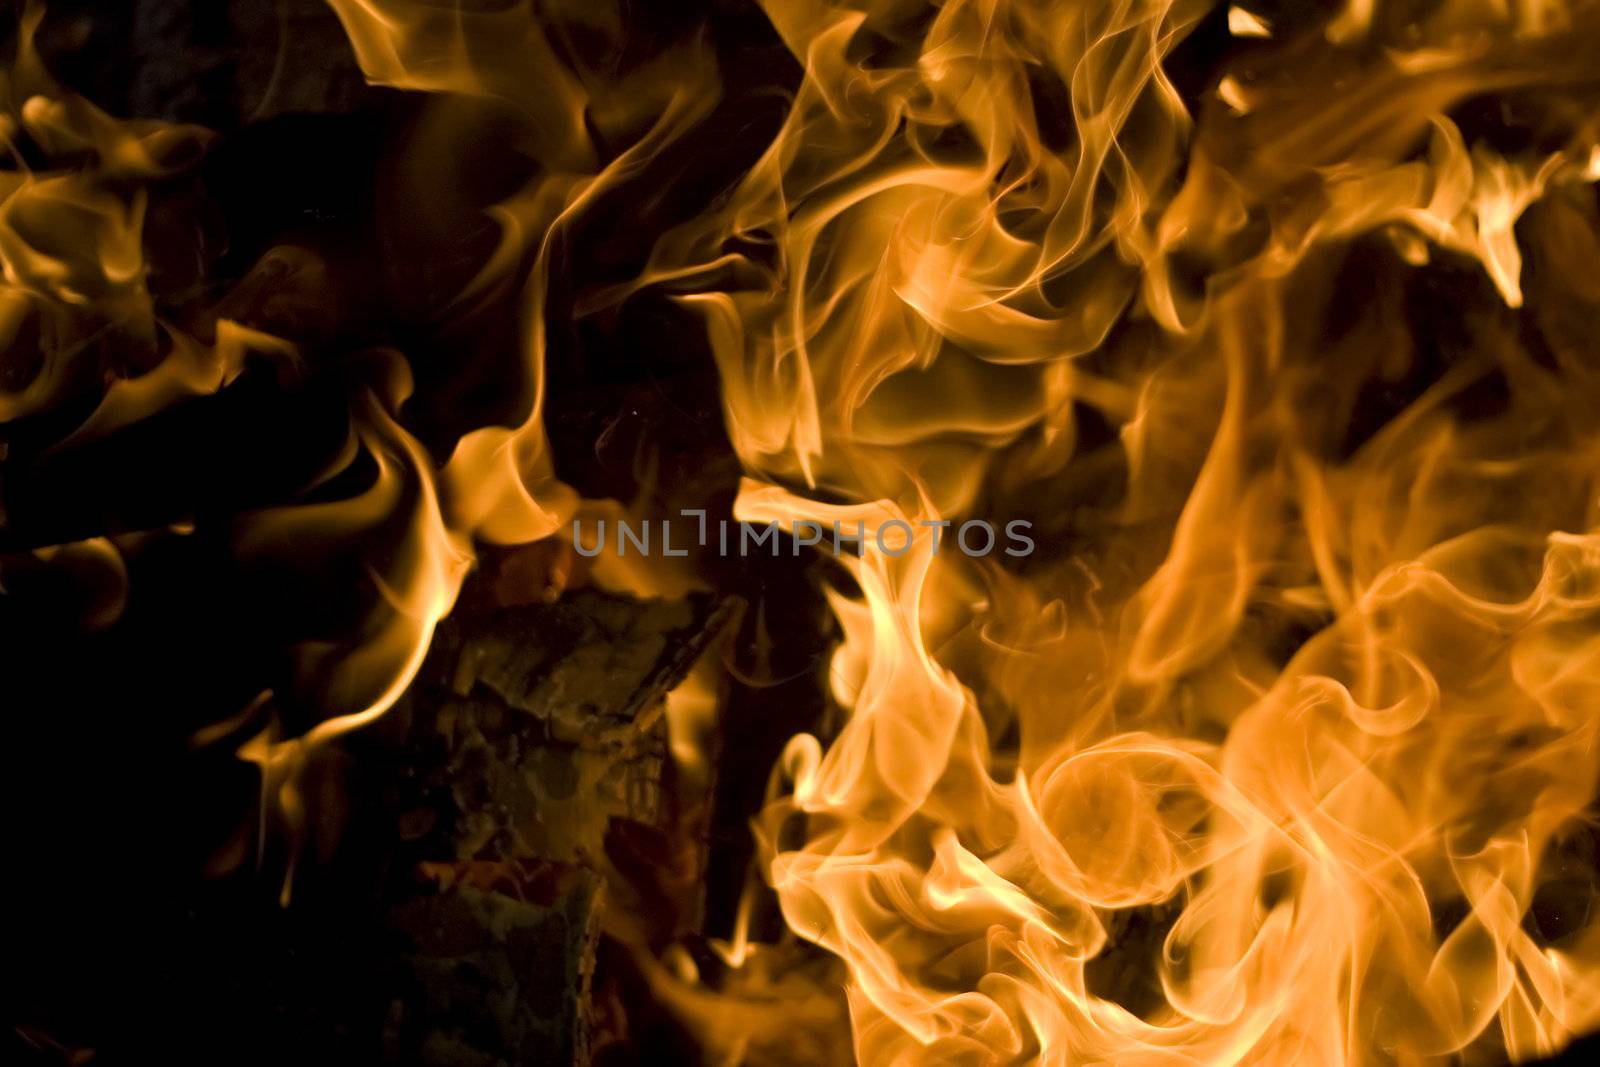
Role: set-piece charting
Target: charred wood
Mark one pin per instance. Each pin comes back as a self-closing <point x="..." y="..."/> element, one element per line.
<point x="535" y="737"/>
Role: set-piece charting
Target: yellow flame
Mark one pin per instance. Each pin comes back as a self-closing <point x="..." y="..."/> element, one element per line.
<point x="1270" y="753"/>
<point x="1267" y="762"/>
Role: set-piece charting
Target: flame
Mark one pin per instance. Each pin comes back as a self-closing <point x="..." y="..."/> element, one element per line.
<point x="1277" y="749"/>
<point x="1271" y="761"/>
<point x="71" y="254"/>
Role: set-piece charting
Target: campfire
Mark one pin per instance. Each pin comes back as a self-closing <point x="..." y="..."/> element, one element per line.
<point x="789" y="532"/>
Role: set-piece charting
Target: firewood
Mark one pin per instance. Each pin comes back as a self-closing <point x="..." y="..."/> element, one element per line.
<point x="535" y="732"/>
<point x="543" y="723"/>
<point x="494" y="978"/>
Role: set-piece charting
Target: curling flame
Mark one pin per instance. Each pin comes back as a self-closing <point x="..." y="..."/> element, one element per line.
<point x="71" y="253"/>
<point x="1282" y="748"/>
<point x="1273" y="756"/>
<point x="498" y="484"/>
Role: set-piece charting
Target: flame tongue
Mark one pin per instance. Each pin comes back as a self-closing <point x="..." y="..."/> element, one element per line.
<point x="1268" y="762"/>
<point x="1272" y="751"/>
<point x="1280" y="747"/>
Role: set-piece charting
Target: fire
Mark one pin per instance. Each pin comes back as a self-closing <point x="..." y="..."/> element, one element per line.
<point x="1276" y="749"/>
<point x="1300" y="702"/>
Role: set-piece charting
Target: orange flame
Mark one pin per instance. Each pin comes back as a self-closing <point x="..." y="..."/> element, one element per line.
<point x="1280" y="747"/>
<point x="1115" y="805"/>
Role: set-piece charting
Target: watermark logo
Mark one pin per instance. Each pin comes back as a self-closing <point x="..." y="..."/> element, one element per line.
<point x="893" y="537"/>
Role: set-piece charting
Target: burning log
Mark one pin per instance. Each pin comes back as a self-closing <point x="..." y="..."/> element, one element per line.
<point x="534" y="730"/>
<point x="543" y="723"/>
<point x="497" y="977"/>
